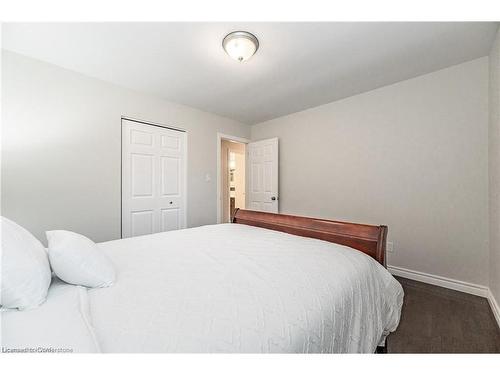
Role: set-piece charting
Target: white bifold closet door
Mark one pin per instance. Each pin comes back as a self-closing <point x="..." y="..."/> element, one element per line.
<point x="262" y="175"/>
<point x="153" y="179"/>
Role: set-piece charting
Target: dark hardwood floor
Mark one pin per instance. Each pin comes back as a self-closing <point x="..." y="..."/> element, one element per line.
<point x="439" y="320"/>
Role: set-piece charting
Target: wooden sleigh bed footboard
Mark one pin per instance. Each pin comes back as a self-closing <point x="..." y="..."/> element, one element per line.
<point x="369" y="239"/>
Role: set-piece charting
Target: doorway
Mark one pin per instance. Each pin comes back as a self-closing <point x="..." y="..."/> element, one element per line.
<point x="231" y="181"/>
<point x="232" y="178"/>
<point x="254" y="182"/>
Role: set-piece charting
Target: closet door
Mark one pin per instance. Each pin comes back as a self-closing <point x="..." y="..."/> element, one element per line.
<point x="153" y="179"/>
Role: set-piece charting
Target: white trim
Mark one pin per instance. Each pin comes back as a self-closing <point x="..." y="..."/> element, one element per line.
<point x="494" y="306"/>
<point x="186" y="186"/>
<point x="445" y="282"/>
<point x="220" y="137"/>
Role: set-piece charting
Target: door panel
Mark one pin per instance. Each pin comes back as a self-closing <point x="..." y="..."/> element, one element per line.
<point x="169" y="219"/>
<point x="262" y="162"/>
<point x="170" y="142"/>
<point x="268" y="176"/>
<point x="141" y="222"/>
<point x="153" y="179"/>
<point x="170" y="168"/>
<point x="255" y="179"/>
<point x="139" y="137"/>
<point x="141" y="171"/>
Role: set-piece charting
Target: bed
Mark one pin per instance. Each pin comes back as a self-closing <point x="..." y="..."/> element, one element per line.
<point x="266" y="283"/>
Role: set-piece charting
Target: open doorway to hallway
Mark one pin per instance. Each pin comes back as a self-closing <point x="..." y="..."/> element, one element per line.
<point x="232" y="178"/>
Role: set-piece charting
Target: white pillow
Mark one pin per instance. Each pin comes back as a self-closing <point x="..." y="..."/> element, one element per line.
<point x="62" y="324"/>
<point x="25" y="270"/>
<point x="78" y="260"/>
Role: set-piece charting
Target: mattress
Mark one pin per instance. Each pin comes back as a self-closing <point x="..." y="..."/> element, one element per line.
<point x="236" y="288"/>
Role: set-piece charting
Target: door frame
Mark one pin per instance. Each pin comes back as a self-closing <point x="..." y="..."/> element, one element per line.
<point x="220" y="138"/>
<point x="151" y="123"/>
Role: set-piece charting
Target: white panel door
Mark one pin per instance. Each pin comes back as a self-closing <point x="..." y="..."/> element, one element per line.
<point x="153" y="179"/>
<point x="262" y="175"/>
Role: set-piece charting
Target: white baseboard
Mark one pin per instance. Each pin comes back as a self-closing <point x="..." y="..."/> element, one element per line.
<point x="494" y="306"/>
<point x="445" y="282"/>
<point x="461" y="286"/>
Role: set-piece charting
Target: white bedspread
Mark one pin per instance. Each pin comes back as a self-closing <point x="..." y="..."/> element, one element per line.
<point x="236" y="288"/>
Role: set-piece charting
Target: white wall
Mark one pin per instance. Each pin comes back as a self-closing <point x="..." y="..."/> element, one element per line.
<point x="413" y="155"/>
<point x="61" y="148"/>
<point x="494" y="168"/>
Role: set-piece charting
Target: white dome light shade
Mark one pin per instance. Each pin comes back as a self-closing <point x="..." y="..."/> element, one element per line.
<point x="240" y="45"/>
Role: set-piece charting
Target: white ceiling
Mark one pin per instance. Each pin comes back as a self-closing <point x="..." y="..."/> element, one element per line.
<point x="298" y="65"/>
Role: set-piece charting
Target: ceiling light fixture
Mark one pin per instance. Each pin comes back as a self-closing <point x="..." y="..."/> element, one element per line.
<point x="240" y="45"/>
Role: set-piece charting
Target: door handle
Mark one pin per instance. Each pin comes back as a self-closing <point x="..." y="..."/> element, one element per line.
<point x="273" y="198"/>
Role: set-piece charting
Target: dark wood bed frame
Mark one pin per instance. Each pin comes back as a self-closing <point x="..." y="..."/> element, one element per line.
<point x="370" y="239"/>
